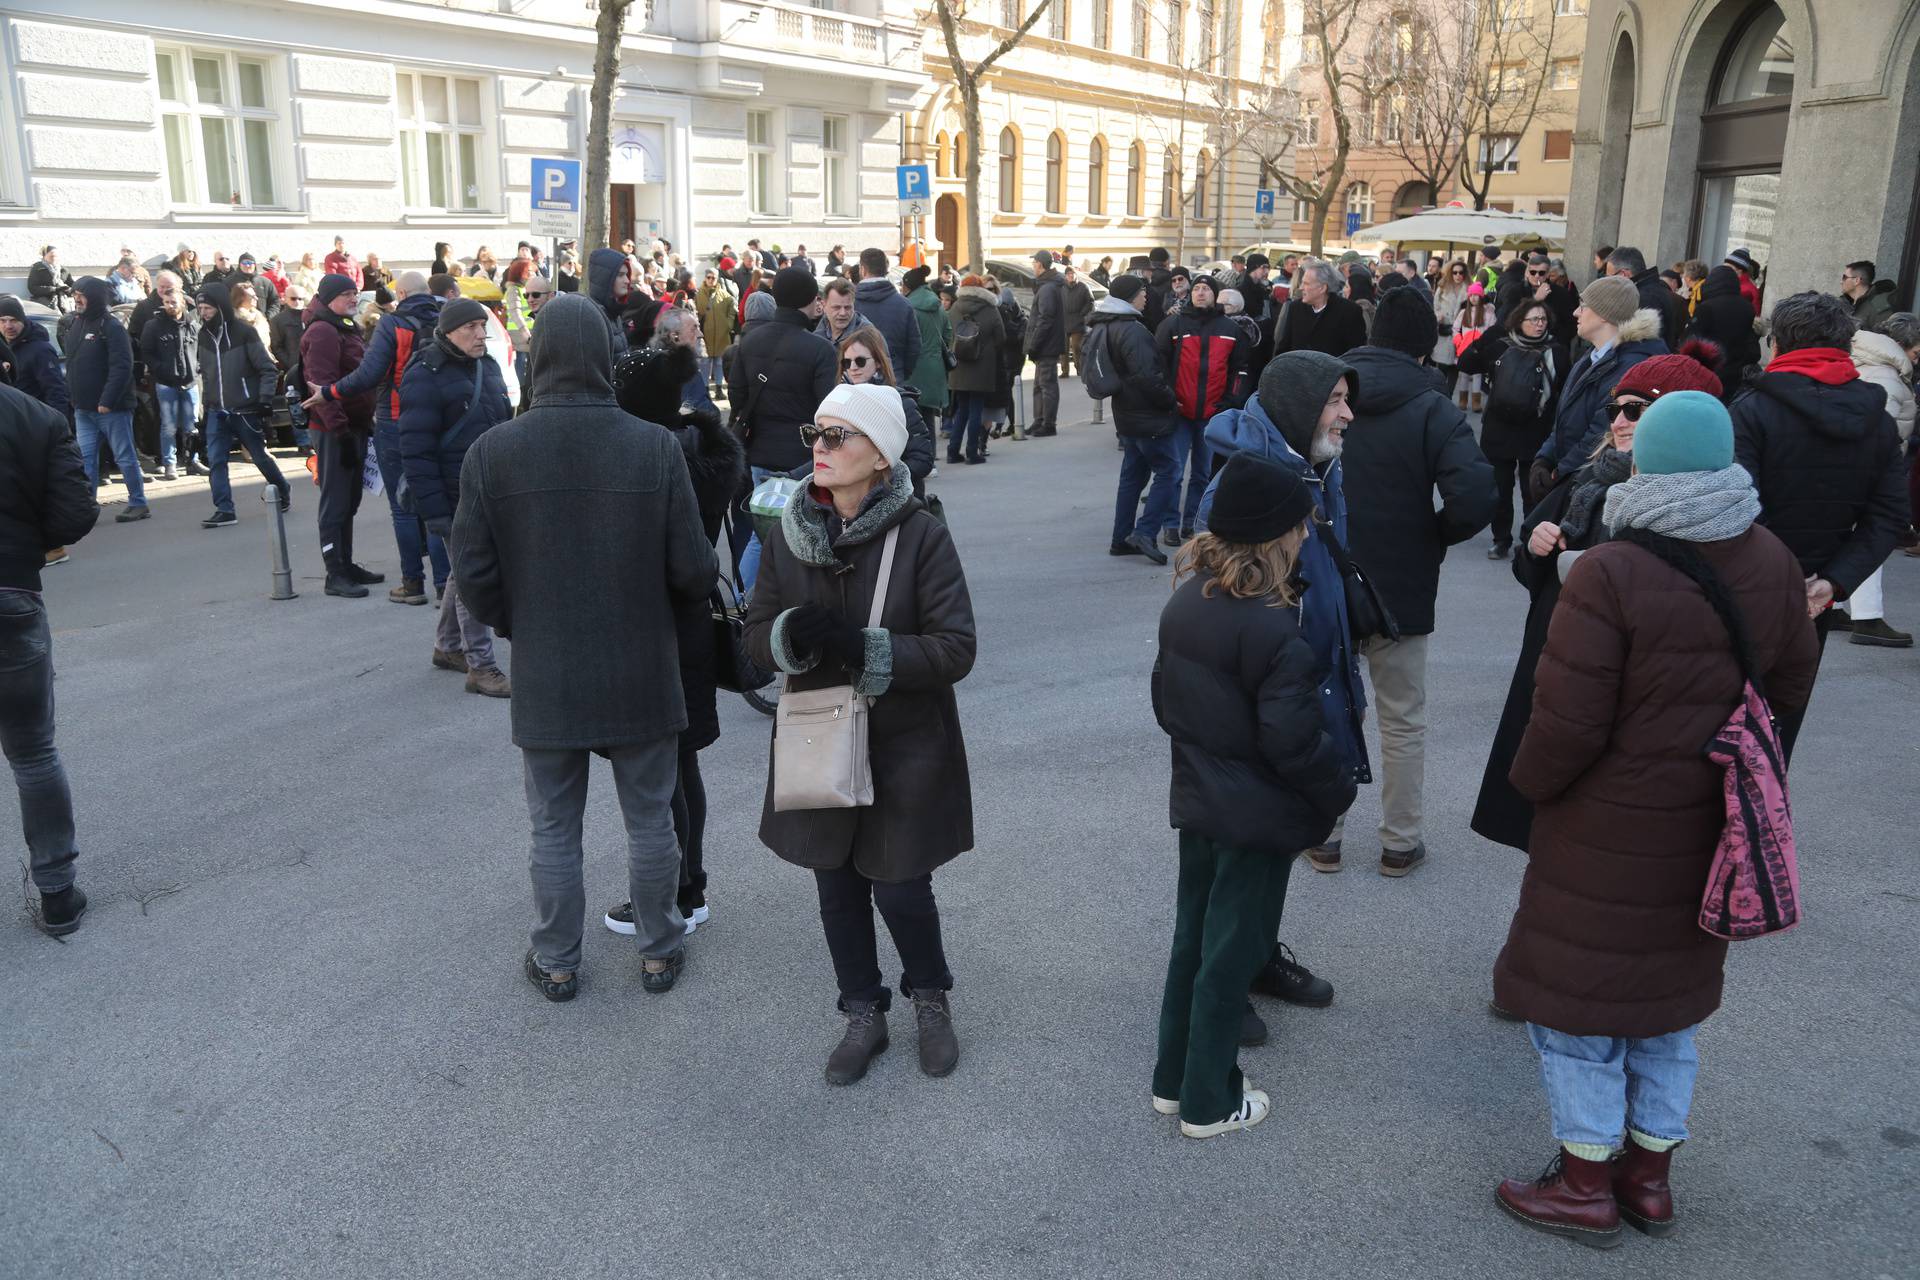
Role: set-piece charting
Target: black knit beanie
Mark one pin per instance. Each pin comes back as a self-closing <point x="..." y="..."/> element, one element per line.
<point x="1257" y="500"/>
<point x="1403" y="321"/>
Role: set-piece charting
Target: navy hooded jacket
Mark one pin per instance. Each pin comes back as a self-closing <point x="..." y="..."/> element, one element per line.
<point x="99" y="352"/>
<point x="36" y="369"/>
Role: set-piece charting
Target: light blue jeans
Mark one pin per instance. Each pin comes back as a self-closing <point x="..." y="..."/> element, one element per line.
<point x="750" y="558"/>
<point x="89" y="427"/>
<point x="177" y="412"/>
<point x="1600" y="1086"/>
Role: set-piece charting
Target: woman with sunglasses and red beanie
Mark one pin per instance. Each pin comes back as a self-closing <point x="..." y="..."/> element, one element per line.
<point x="1565" y="523"/>
<point x="856" y="521"/>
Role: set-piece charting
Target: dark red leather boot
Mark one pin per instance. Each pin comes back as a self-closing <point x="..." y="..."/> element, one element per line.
<point x="1573" y="1198"/>
<point x="1640" y="1187"/>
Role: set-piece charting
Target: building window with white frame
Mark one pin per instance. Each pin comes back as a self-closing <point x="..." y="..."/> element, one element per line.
<point x="1141" y="29"/>
<point x="221" y="134"/>
<point x="1500" y="153"/>
<point x="1176" y="32"/>
<point x="1169" y="184"/>
<point x="1057" y="19"/>
<point x="1302" y="209"/>
<point x="1360" y="201"/>
<point x="1308" y="133"/>
<point x="442" y="141"/>
<point x="1510" y="15"/>
<point x="1102" y="15"/>
<point x="1011" y="13"/>
<point x="1564" y="74"/>
<point x="760" y="175"/>
<point x="836" y="165"/>
<point x="1569" y="8"/>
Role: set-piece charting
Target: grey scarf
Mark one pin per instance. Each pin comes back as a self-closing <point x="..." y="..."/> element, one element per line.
<point x="1590" y="486"/>
<point x="1694" y="506"/>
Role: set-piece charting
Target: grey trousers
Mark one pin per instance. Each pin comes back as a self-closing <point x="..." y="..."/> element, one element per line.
<point x="1046" y="391"/>
<point x="460" y="632"/>
<point x="644" y="778"/>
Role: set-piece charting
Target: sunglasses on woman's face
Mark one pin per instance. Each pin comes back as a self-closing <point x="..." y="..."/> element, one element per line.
<point x="832" y="437"/>
<point x="856" y="362"/>
<point x="1628" y="409"/>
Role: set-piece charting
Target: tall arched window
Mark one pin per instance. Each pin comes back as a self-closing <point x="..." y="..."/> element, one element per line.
<point x="959" y="155"/>
<point x="1009" y="170"/>
<point x="1743" y="138"/>
<point x="1056" y="173"/>
<point x="1202" y="177"/>
<point x="1097" y="176"/>
<point x="1136" y="179"/>
<point x="1360" y="201"/>
<point x="942" y="155"/>
<point x="1169" y="184"/>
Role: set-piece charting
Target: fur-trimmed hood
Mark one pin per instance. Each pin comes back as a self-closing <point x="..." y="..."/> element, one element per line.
<point x="1644" y="324"/>
<point x="988" y="296"/>
<point x="805" y="525"/>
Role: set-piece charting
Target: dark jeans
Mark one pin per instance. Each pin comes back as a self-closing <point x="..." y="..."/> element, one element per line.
<point x="410" y="534"/>
<point x="1192" y="454"/>
<point x="965" y="424"/>
<point x="1790" y="721"/>
<point x="26" y="734"/>
<point x="847" y="900"/>
<point x="343" y="458"/>
<point x="1507" y="473"/>
<point x="223" y="428"/>
<point x="1142" y="458"/>
<point x="1046" y="391"/>
<point x="1226" y="915"/>
<point x="689" y="828"/>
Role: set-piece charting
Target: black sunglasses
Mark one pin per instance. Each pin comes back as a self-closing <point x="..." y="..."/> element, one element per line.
<point x="856" y="362"/>
<point x="833" y="437"/>
<point x="1622" y="409"/>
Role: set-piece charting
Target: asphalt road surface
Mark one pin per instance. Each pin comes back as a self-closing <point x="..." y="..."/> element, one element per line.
<point x="293" y="1037"/>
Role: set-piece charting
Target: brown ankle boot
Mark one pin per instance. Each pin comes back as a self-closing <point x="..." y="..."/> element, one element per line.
<point x="489" y="682"/>
<point x="1572" y="1198"/>
<point x="866" y="1039"/>
<point x="1640" y="1188"/>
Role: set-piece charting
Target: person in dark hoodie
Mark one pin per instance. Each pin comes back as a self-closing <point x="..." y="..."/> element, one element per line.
<point x="651" y="384"/>
<point x="978" y="336"/>
<point x="1408" y="442"/>
<point x="610" y="285"/>
<point x="1121" y="361"/>
<point x="886" y="309"/>
<point x="1311" y="395"/>
<point x="249" y="273"/>
<point x="1725" y="319"/>
<point x="1621" y="333"/>
<point x="36" y="365"/>
<point x="1205" y="357"/>
<point x="1825" y="456"/>
<point x="1159" y="279"/>
<point x="1255" y="779"/>
<point x="1046" y="342"/>
<point x="331" y="347"/>
<point x="452" y="394"/>
<point x="100" y="376"/>
<point x="46" y="502"/>
<point x="408" y="328"/>
<point x="577" y="534"/>
<point x="236" y="393"/>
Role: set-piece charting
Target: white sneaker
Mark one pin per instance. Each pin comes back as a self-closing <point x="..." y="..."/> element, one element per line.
<point x="1254" y="1106"/>
<point x="620" y="919"/>
<point x="1166" y="1106"/>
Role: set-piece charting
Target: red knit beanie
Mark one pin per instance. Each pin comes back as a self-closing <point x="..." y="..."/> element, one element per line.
<point x="1693" y="368"/>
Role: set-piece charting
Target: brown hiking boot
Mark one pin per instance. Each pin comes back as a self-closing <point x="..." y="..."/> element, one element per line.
<point x="449" y="661"/>
<point x="410" y="591"/>
<point x="865" y="1040"/>
<point x="939" y="1047"/>
<point x="489" y="682"/>
<point x="1572" y="1198"/>
<point x="1641" y="1190"/>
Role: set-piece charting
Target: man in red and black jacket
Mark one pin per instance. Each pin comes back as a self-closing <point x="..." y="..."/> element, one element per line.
<point x="1204" y="355"/>
<point x="331" y="348"/>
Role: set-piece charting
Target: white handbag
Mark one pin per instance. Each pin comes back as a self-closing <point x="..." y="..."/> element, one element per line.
<point x="820" y="758"/>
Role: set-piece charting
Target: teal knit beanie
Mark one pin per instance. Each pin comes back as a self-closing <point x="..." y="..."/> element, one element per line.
<point x="1683" y="431"/>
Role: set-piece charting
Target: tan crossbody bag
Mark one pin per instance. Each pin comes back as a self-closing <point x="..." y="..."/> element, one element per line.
<point x="820" y="758"/>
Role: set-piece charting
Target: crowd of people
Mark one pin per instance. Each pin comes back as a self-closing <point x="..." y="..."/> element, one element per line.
<point x="1684" y="512"/>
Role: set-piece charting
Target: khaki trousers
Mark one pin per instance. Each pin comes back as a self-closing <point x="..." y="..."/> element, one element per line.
<point x="1397" y="670"/>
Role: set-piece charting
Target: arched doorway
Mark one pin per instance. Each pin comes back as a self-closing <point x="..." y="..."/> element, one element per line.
<point x="1616" y="143"/>
<point x="950" y="232"/>
<point x="1411" y="198"/>
<point x="1743" y="138"/>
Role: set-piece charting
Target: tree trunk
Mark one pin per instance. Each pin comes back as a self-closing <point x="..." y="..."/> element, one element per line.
<point x="606" y="69"/>
<point x="976" y="221"/>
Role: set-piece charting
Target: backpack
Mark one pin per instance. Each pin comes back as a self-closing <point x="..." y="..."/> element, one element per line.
<point x="966" y="341"/>
<point x="1519" y="383"/>
<point x="1015" y="321"/>
<point x="1097" y="372"/>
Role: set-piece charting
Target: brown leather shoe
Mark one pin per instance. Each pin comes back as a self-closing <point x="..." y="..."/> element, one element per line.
<point x="449" y="661"/>
<point x="1572" y="1198"/>
<point x="1325" y="857"/>
<point x="410" y="591"/>
<point x="490" y="682"/>
<point x="1640" y="1188"/>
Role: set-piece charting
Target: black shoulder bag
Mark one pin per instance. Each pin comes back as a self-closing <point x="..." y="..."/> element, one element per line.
<point x="1367" y="612"/>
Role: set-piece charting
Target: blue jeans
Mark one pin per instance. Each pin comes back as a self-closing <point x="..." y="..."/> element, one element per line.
<point x="409" y="530"/>
<point x="965" y="425"/>
<point x="1599" y="1086"/>
<point x="750" y="558"/>
<point x="89" y="427"/>
<point x="1141" y="457"/>
<point x="1193" y="455"/>
<point x="176" y="406"/>
<point x="26" y="734"/>
<point x="223" y="428"/>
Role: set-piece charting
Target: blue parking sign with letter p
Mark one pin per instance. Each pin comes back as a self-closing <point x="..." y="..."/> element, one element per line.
<point x="915" y="181"/>
<point x="1263" y="200"/>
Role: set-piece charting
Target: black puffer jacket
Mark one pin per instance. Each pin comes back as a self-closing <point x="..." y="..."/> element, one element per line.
<point x="1144" y="406"/>
<point x="1237" y="690"/>
<point x="45" y="499"/>
<point x="1515" y="436"/>
<point x="785" y="369"/>
<point x="1826" y="460"/>
<point x="1725" y="318"/>
<point x="1656" y="296"/>
<point x="1047" y="327"/>
<point x="1407" y="439"/>
<point x="99" y="353"/>
<point x="170" y="349"/>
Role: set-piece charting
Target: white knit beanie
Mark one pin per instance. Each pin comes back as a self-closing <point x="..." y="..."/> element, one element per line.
<point x="873" y="410"/>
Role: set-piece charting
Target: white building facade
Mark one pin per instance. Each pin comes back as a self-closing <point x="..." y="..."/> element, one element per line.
<point x="272" y="126"/>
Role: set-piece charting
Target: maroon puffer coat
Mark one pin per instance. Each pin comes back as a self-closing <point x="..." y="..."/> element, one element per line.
<point x="331" y="348"/>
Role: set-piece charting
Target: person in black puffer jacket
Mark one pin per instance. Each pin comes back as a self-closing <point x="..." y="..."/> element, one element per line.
<point x="1825" y="456"/>
<point x="1725" y="319"/>
<point x="649" y="384"/>
<point x="1121" y="355"/>
<point x="1511" y="434"/>
<point x="100" y="375"/>
<point x="170" y="351"/>
<point x="1255" y="779"/>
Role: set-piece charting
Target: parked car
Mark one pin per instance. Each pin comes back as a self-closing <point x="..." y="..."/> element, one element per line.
<point x="1019" y="277"/>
